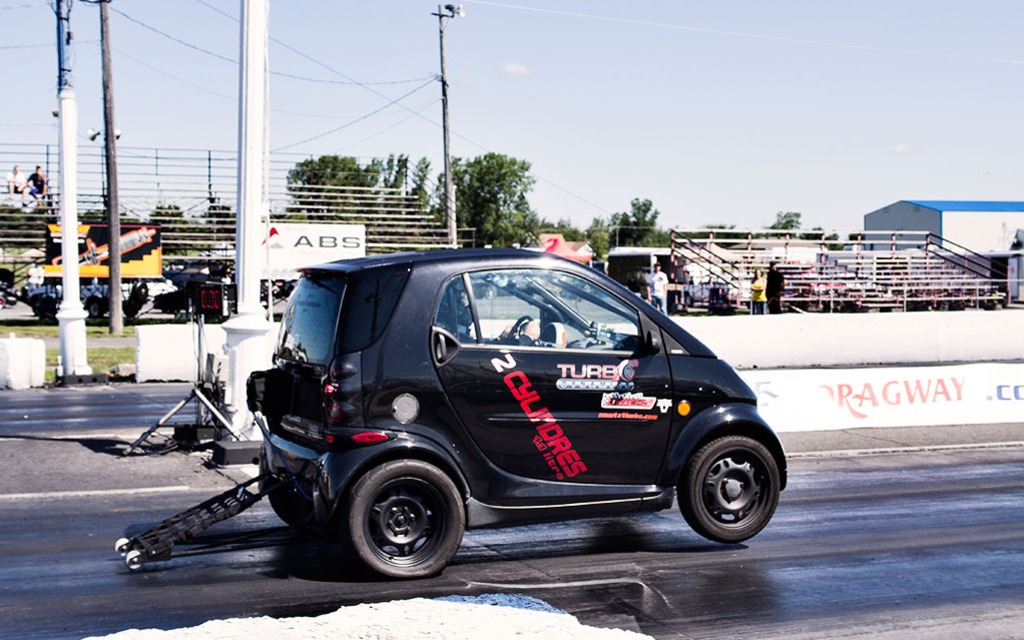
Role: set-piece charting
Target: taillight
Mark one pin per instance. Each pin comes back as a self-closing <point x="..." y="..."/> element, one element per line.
<point x="369" y="437"/>
<point x="342" y="393"/>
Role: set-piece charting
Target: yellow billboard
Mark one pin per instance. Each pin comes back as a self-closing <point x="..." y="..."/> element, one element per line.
<point x="141" y="253"/>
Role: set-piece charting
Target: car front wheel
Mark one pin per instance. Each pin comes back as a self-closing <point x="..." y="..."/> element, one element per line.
<point x="730" y="489"/>
<point x="405" y="519"/>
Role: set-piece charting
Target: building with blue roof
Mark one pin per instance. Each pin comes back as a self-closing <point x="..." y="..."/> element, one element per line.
<point x="980" y="225"/>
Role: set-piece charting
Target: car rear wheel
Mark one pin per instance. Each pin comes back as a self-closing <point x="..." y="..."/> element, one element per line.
<point x="290" y="505"/>
<point x="405" y="519"/>
<point x="730" y="489"/>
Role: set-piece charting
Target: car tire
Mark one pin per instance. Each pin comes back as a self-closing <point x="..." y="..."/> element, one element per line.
<point x="405" y="519"/>
<point x="293" y="507"/>
<point x="94" y="307"/>
<point x="729" y="489"/>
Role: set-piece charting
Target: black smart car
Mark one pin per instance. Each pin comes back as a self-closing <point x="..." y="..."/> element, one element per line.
<point x="415" y="395"/>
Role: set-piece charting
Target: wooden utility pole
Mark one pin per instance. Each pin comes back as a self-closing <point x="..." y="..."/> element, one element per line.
<point x="110" y="157"/>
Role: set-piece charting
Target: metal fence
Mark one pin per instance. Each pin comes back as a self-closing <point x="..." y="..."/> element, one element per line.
<point x="192" y="194"/>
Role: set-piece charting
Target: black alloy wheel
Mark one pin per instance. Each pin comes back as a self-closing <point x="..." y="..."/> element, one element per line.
<point x="730" y="489"/>
<point x="405" y="519"/>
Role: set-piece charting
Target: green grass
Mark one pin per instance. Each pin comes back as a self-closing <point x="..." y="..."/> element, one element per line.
<point x="35" y="329"/>
<point x="102" y="359"/>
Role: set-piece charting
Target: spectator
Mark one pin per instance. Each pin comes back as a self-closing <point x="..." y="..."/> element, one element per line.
<point x="38" y="184"/>
<point x="637" y="283"/>
<point x="17" y="183"/>
<point x="36" y="275"/>
<point x="658" y="283"/>
<point x="757" y="294"/>
<point x="776" y="284"/>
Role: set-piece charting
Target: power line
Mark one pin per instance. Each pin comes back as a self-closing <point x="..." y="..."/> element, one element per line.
<point x="747" y="34"/>
<point x="348" y="80"/>
<point x="173" y="38"/>
<point x="282" y="74"/>
<point x="364" y="85"/>
<point x="359" y="119"/>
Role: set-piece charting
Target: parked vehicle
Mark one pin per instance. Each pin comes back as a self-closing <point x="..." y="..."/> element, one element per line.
<point x="416" y="395"/>
<point x="45" y="299"/>
<point x="8" y="292"/>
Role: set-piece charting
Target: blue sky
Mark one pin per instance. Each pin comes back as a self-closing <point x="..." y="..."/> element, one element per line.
<point x="718" y="112"/>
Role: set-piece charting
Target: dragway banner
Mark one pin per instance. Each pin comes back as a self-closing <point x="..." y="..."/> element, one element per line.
<point x="291" y="246"/>
<point x="825" y="399"/>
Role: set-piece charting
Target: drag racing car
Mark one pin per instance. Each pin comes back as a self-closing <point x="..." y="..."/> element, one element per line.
<point x="416" y="395"/>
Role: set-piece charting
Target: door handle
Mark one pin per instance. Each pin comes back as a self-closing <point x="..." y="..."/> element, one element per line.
<point x="443" y="346"/>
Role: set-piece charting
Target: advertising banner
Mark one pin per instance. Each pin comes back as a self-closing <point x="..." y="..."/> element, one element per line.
<point x="141" y="253"/>
<point x="293" y="245"/>
<point x="825" y="399"/>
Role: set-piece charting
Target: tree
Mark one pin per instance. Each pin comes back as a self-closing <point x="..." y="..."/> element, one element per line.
<point x="638" y="227"/>
<point x="788" y="220"/>
<point x="599" y="236"/>
<point x="325" y="187"/>
<point x="564" y="227"/>
<point x="420" y="180"/>
<point x="321" y="186"/>
<point x="394" y="172"/>
<point x="491" y="196"/>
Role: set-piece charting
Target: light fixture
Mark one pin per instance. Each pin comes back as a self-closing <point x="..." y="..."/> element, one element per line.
<point x="93" y="134"/>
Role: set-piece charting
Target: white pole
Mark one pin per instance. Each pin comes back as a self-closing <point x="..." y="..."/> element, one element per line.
<point x="246" y="331"/>
<point x="71" y="315"/>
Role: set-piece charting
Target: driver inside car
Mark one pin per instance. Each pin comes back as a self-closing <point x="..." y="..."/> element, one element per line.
<point x="522" y="332"/>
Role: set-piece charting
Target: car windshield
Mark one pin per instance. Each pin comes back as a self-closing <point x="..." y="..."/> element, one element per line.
<point x="310" y="320"/>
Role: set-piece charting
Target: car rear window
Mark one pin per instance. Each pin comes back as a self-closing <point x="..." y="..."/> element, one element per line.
<point x="355" y="306"/>
<point x="310" y="320"/>
<point x="369" y="302"/>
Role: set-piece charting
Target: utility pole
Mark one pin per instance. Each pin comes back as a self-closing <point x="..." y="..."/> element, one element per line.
<point x="447" y="11"/>
<point x="110" y="157"/>
<point x="71" y="315"/>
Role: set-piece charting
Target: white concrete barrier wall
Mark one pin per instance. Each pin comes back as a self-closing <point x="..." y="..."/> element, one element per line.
<point x="811" y="372"/>
<point x="866" y="339"/>
<point x="171" y="352"/>
<point x="22" y="363"/>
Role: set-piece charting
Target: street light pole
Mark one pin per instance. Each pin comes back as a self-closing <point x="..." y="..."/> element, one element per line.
<point x="447" y="11"/>
<point x="71" y="315"/>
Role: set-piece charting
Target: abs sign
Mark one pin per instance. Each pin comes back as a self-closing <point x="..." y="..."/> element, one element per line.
<point x="290" y="246"/>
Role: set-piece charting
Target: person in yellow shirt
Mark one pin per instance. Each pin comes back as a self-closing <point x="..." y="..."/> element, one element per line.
<point x="758" y="298"/>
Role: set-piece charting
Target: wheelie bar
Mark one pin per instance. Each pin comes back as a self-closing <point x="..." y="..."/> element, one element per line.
<point x="155" y="543"/>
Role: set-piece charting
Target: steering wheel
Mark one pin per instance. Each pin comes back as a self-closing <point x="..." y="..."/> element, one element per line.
<point x="517" y="328"/>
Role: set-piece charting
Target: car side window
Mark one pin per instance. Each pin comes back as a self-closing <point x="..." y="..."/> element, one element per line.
<point x="551" y="309"/>
<point x="453" y="312"/>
